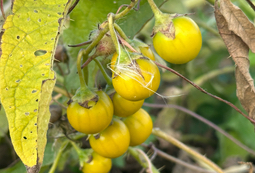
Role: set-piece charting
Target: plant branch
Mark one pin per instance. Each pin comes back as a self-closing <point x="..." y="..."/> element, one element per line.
<point x="182" y="146"/>
<point x="89" y="60"/>
<point x="200" y="118"/>
<point x="176" y="160"/>
<point x="251" y="4"/>
<point x="149" y="168"/>
<point x="136" y="153"/>
<point x="121" y="32"/>
<point x="73" y="6"/>
<point x="2" y="9"/>
<point x="113" y="33"/>
<point x="203" y="91"/>
<point x="124" y="42"/>
<point x="82" y="81"/>
<point x="81" y="44"/>
<point x="124" y="12"/>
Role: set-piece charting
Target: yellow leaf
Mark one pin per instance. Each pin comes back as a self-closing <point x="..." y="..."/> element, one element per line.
<point x="26" y="75"/>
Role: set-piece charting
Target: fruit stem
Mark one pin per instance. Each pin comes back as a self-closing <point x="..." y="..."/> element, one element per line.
<point x="82" y="81"/>
<point x="122" y="55"/>
<point x="106" y="77"/>
<point x="86" y="69"/>
<point x="154" y="8"/>
<point x="121" y="32"/>
<point x="113" y="33"/>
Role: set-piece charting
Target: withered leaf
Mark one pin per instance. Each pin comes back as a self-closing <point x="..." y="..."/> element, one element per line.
<point x="238" y="23"/>
<point x="239" y="51"/>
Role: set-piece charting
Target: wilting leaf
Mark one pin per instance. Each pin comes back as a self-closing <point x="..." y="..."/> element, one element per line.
<point x="238" y="22"/>
<point x="238" y="47"/>
<point x="26" y="75"/>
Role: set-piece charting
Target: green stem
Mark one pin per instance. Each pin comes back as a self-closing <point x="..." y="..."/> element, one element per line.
<point x="77" y="149"/>
<point x="60" y="151"/>
<point x="82" y="82"/>
<point x="137" y="153"/>
<point x="113" y="33"/>
<point x="182" y="146"/>
<point x="124" y="12"/>
<point x="86" y="69"/>
<point x="106" y="77"/>
<point x="154" y="8"/>
<point x="121" y="32"/>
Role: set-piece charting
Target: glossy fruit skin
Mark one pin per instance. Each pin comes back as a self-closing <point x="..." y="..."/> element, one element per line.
<point x="113" y="141"/>
<point x="132" y="86"/>
<point x="99" y="164"/>
<point x="186" y="45"/>
<point x="140" y="126"/>
<point x="123" y="107"/>
<point x="94" y="119"/>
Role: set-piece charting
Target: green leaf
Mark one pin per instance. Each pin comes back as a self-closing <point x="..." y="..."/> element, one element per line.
<point x="228" y="148"/>
<point x="239" y="127"/>
<point x="26" y="74"/>
<point x="17" y="168"/>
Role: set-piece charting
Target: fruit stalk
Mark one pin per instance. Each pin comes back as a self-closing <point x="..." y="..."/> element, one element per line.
<point x="106" y="77"/>
<point x="154" y="8"/>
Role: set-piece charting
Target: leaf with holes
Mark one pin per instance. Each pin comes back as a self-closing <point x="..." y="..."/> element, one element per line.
<point x="26" y="75"/>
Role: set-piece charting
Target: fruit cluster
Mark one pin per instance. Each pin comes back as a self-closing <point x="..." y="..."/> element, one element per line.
<point x="117" y="122"/>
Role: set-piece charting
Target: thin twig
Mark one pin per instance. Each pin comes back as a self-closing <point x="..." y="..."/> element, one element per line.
<point x="137" y="6"/>
<point x="184" y="147"/>
<point x="123" y="5"/>
<point x="203" y="91"/>
<point x="209" y="123"/>
<point x="176" y="160"/>
<point x="73" y="6"/>
<point x="124" y="42"/>
<point x="81" y="44"/>
<point x="89" y="60"/>
<point x="2" y="9"/>
<point x="251" y="4"/>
